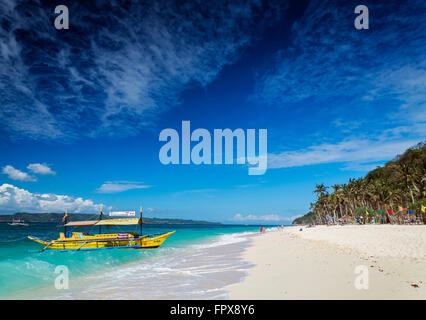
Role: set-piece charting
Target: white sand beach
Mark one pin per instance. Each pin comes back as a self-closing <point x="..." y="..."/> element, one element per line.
<point x="324" y="262"/>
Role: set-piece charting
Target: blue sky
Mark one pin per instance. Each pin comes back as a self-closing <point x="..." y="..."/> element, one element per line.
<point x="82" y="109"/>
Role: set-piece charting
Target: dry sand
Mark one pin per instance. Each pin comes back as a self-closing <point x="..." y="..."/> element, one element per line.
<point x="321" y="262"/>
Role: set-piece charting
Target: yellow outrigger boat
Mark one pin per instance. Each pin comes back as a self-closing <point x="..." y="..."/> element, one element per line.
<point x="82" y="241"/>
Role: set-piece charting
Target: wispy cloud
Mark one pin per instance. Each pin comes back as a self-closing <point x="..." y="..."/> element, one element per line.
<point x="370" y="84"/>
<point x="120" y="186"/>
<point x="207" y="192"/>
<point x="263" y="218"/>
<point x="362" y="167"/>
<point x="16" y="174"/>
<point x="347" y="125"/>
<point x="120" y="64"/>
<point x="353" y="151"/>
<point x="39" y="168"/>
<point x="375" y="75"/>
<point x="336" y="56"/>
<point x="251" y="217"/>
<point x="13" y="199"/>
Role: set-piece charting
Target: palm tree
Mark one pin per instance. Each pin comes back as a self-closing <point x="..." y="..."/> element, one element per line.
<point x="401" y="181"/>
<point x="338" y="194"/>
<point x="321" y="191"/>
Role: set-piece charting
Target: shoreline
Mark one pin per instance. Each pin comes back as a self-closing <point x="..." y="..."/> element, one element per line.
<point x="327" y="262"/>
<point x="201" y="270"/>
<point x="315" y="263"/>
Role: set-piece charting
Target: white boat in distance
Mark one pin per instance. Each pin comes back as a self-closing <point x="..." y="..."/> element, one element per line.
<point x="18" y="222"/>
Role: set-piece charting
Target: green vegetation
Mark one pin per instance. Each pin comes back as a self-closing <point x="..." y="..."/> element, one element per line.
<point x="308" y="218"/>
<point x="399" y="184"/>
<point x="360" y="212"/>
<point x="57" y="218"/>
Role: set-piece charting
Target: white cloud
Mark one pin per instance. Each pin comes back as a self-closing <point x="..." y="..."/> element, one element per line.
<point x="118" y="76"/>
<point x="368" y="81"/>
<point x="39" y="168"/>
<point x="364" y="167"/>
<point x="347" y="151"/>
<point x="13" y="199"/>
<point x="16" y="174"/>
<point x="327" y="58"/>
<point x="120" y="186"/>
<point x="270" y="218"/>
<point x="251" y="217"/>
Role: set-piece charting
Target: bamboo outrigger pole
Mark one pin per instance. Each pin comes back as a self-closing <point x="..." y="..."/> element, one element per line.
<point x="141" y="219"/>
<point x="65" y="220"/>
<point x="100" y="218"/>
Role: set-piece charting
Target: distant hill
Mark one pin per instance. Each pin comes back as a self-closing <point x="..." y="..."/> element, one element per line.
<point x="57" y="218"/>
<point x="306" y="219"/>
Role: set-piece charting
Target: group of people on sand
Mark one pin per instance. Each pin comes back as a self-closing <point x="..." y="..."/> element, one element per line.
<point x="263" y="229"/>
<point x="372" y="220"/>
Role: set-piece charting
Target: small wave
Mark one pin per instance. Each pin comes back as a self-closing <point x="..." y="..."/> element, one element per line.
<point x="226" y="239"/>
<point x="194" y="271"/>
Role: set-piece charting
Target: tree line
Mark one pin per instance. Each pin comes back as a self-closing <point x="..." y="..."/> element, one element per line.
<point x="394" y="193"/>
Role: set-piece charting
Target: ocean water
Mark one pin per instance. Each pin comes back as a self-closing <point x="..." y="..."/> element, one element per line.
<point x="196" y="262"/>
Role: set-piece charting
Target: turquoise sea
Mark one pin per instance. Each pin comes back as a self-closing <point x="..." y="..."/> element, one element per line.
<point x="195" y="262"/>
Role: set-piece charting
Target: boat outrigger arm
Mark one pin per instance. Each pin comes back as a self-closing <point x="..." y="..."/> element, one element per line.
<point x="82" y="241"/>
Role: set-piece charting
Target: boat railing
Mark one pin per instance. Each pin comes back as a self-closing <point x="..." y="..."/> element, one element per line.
<point x="81" y="246"/>
<point x="47" y="246"/>
<point x="94" y="240"/>
<point x="153" y="235"/>
<point x="109" y="239"/>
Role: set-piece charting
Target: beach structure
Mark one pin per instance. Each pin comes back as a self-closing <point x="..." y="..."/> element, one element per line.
<point x="347" y="219"/>
<point x="83" y="241"/>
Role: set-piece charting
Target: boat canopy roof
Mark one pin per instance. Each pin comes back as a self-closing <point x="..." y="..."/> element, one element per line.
<point x="81" y="223"/>
<point x="119" y="222"/>
<point x="106" y="222"/>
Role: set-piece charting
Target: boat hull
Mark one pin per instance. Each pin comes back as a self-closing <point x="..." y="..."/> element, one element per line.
<point x="91" y="243"/>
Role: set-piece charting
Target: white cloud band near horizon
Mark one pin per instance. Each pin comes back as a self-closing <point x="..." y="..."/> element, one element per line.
<point x="354" y="151"/>
<point x="14" y="199"/>
<point x="269" y="217"/>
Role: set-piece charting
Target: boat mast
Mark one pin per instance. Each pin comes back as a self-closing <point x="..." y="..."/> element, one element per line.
<point x="100" y="218"/>
<point x="65" y="221"/>
<point x="141" y="219"/>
